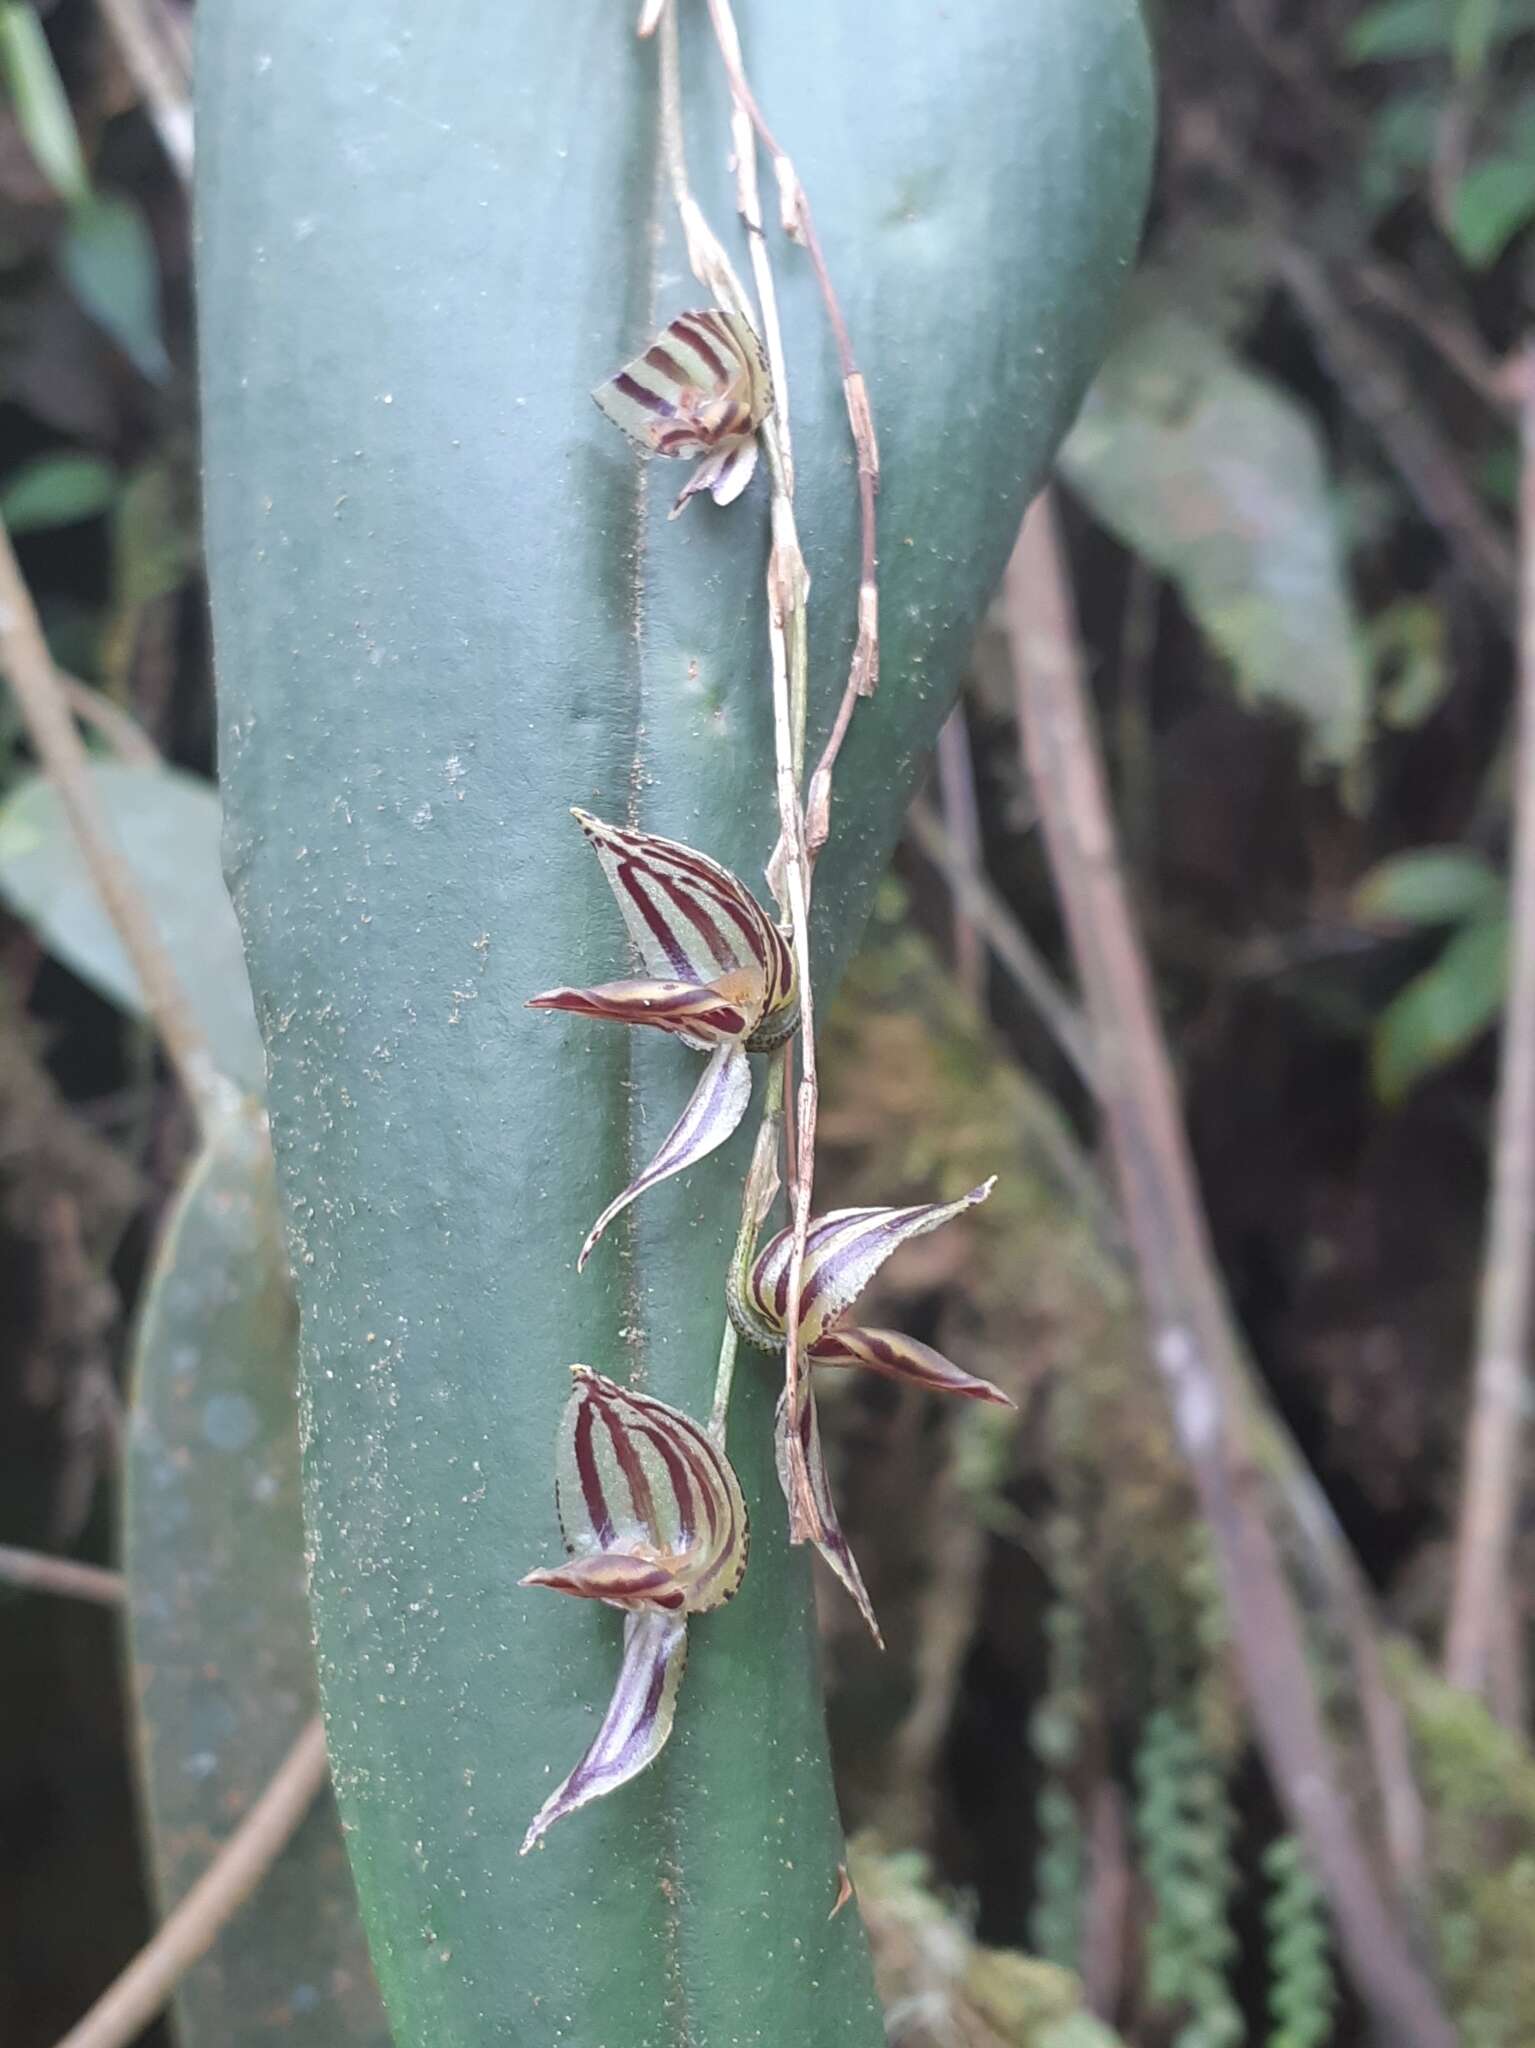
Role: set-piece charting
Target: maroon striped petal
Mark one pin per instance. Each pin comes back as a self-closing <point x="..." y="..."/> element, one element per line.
<point x="903" y="1358"/>
<point x="637" y="1479"/>
<point x="843" y="1252"/>
<point x="634" y="1728"/>
<point x="826" y="1532"/>
<point x="690" y="918"/>
<point x="718" y="1104"/>
<point x="702" y="1017"/>
<point x="702" y="384"/>
<point x="617" y="1578"/>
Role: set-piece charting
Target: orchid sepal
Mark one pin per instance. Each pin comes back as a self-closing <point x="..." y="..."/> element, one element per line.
<point x="655" y="1523"/>
<point x="719" y="976"/>
<point x="822" y="1527"/>
<point x="899" y="1357"/>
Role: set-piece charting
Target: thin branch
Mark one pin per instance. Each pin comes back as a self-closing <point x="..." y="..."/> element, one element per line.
<point x="128" y="2005"/>
<point x="1193" y="1343"/>
<point x="45" y="711"/>
<point x="749" y="203"/>
<point x="1015" y="952"/>
<point x="32" y="1571"/>
<point x="799" y="223"/>
<point x="1457" y="344"/>
<point x="1495" y="1438"/>
<point x="124" y="735"/>
<point x="1386" y="402"/>
<point x="155" y="70"/>
<point x="962" y="828"/>
<point x="788" y="588"/>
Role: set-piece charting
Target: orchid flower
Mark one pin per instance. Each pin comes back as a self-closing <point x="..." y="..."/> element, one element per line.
<point x="722" y="980"/>
<point x="654" y="1522"/>
<point x="701" y="388"/>
<point x="843" y="1252"/>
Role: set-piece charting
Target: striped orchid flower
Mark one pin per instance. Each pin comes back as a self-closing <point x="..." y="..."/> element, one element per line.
<point x="654" y="1523"/>
<point x="843" y="1252"/>
<point x="701" y="388"/>
<point x="720" y="976"/>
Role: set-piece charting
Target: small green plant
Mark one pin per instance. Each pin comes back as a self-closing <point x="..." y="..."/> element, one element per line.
<point x="1448" y="1005"/>
<point x="1303" y="1996"/>
<point x="1183" y="1822"/>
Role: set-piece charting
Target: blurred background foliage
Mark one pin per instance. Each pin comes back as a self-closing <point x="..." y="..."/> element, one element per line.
<point x="1290" y="504"/>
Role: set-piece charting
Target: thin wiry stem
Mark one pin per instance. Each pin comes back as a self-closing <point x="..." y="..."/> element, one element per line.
<point x="1014" y="950"/>
<point x="1495" y="1438"/>
<point x="787" y="591"/>
<point x="128" y="2005"/>
<point x="124" y="735"/>
<point x="32" y="1571"/>
<point x="799" y="223"/>
<point x="961" y="827"/>
<point x="45" y="711"/>
<point x="749" y="202"/>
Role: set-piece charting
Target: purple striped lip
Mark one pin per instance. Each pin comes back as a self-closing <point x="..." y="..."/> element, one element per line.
<point x="700" y="332"/>
<point x="652" y="401"/>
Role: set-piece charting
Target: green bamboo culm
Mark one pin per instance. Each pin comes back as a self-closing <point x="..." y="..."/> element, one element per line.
<point x="448" y="604"/>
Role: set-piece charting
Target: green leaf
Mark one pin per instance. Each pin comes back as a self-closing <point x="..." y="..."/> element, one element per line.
<point x="1211" y="473"/>
<point x="57" y="490"/>
<point x="1443" y="1011"/>
<point x="449" y="604"/>
<point x="1493" y="202"/>
<point x="1474" y="30"/>
<point x="153" y="551"/>
<point x="222" y="1668"/>
<point x="1399" y="148"/>
<point x="1431" y="885"/>
<point x="1407" y="645"/>
<point x="109" y="260"/>
<point x="1431" y="28"/>
<point x="167" y="825"/>
<point x="41" y="104"/>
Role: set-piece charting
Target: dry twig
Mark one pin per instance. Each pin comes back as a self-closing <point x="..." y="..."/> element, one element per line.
<point x="45" y="710"/>
<point x="799" y="223"/>
<point x="1495" y="1438"/>
<point x="788" y="587"/>
<point x="128" y="2005"/>
<point x="31" y="1571"/>
<point x="124" y="735"/>
<point x="962" y="828"/>
<point x="1193" y="1344"/>
<point x="1014" y="950"/>
<point x="154" y="63"/>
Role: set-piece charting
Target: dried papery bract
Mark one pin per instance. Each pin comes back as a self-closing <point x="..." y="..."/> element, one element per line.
<point x="823" y="1528"/>
<point x="655" y="1524"/>
<point x="843" y="1252"/>
<point x="702" y="388"/>
<point x="720" y="977"/>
